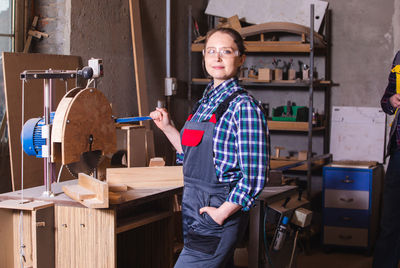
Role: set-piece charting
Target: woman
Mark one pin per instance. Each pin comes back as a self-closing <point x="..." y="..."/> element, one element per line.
<point x="224" y="146"/>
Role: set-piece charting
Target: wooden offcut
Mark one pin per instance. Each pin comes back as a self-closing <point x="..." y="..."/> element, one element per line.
<point x="89" y="191"/>
<point x="13" y="65"/>
<point x="136" y="145"/>
<point x="147" y="177"/>
<point x="285" y="27"/>
<point x="138" y="59"/>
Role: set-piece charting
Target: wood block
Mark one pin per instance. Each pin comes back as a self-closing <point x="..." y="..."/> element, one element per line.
<point x="115" y="198"/>
<point x="278" y="74"/>
<point x="157" y="162"/>
<point x="89" y="191"/>
<point x="136" y="145"/>
<point x="117" y="187"/>
<point x="264" y="74"/>
<point x="302" y="155"/>
<point x="291" y="74"/>
<point x="147" y="177"/>
<point x="234" y="23"/>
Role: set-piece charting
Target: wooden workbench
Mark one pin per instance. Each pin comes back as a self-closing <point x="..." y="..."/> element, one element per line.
<point x="135" y="233"/>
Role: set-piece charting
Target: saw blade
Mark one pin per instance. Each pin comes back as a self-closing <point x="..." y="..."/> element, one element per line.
<point x="87" y="164"/>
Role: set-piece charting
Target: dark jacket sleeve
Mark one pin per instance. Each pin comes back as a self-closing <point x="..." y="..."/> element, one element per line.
<point x="391" y="88"/>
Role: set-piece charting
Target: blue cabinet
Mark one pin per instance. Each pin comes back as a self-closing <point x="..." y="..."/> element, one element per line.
<point x="351" y="201"/>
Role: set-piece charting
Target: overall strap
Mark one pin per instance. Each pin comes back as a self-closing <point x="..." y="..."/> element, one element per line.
<point x="221" y="109"/>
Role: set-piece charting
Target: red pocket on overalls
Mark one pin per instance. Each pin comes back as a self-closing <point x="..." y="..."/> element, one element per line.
<point x="192" y="137"/>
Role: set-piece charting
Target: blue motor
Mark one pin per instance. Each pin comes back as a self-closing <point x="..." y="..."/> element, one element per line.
<point x="31" y="136"/>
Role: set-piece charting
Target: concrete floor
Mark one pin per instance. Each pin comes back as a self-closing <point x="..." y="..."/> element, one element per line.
<point x="317" y="258"/>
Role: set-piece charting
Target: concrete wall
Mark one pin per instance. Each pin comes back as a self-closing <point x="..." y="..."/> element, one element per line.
<point x="362" y="50"/>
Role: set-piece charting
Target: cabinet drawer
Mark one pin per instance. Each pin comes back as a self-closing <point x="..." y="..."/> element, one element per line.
<point x="346" y="179"/>
<point x="345" y="236"/>
<point x="346" y="199"/>
<point x="346" y="217"/>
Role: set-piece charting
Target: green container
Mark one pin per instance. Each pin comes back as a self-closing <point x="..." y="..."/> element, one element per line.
<point x="282" y="117"/>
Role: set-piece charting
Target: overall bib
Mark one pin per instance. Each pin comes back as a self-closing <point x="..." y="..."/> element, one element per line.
<point x="206" y="243"/>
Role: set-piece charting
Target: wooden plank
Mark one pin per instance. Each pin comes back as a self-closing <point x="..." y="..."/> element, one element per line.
<point x="138" y="59"/>
<point x="280" y="163"/>
<point x="29" y="39"/>
<point x="287" y="125"/>
<point x="13" y="65"/>
<point x="258" y="46"/>
<point x="147" y="177"/>
<point x="79" y="193"/>
<point x="6" y="237"/>
<point x="85" y="237"/>
<point x="25" y="205"/>
<point x="89" y="191"/>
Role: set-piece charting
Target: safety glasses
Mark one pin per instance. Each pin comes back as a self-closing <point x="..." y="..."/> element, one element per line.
<point x="223" y="52"/>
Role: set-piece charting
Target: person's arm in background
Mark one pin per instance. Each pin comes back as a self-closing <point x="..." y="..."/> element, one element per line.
<point x="163" y="122"/>
<point x="390" y="99"/>
<point x="253" y="157"/>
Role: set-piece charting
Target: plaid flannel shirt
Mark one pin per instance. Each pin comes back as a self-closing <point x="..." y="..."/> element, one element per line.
<point x="389" y="92"/>
<point x="241" y="143"/>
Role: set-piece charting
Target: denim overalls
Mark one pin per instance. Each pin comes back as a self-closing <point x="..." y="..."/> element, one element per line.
<point x="206" y="243"/>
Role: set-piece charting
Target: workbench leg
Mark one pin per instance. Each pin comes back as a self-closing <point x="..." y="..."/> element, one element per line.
<point x="255" y="231"/>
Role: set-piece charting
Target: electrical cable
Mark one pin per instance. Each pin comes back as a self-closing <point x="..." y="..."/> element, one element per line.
<point x="89" y="82"/>
<point x="265" y="239"/>
<point x="21" y="215"/>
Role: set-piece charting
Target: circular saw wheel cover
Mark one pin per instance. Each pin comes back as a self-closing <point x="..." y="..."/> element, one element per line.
<point x="89" y="113"/>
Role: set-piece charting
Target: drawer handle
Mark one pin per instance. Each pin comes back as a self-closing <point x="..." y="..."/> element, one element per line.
<point x="346" y="218"/>
<point x="349" y="200"/>
<point x="347" y="180"/>
<point x="345" y="237"/>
